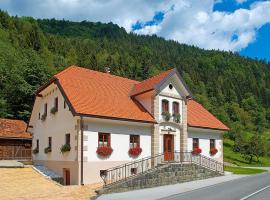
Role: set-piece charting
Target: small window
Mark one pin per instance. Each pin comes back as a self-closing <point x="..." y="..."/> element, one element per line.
<point x="56" y="103"/>
<point x="165" y="105"/>
<point x="195" y="143"/>
<point x="175" y="107"/>
<point x="39" y="115"/>
<point x="37" y="145"/>
<point x="67" y="138"/>
<point x="65" y="104"/>
<point x="212" y="143"/>
<point x="45" y="109"/>
<point x="134" y="141"/>
<point x="171" y="86"/>
<point x="104" y="139"/>
<point x="50" y="142"/>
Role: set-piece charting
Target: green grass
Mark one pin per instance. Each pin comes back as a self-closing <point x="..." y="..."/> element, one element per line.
<point x="241" y="170"/>
<point x="237" y="159"/>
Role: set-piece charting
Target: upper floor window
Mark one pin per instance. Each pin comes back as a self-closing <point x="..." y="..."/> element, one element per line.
<point x="65" y="104"/>
<point x="37" y="147"/>
<point x="67" y="138"/>
<point x="104" y="139"/>
<point x="165" y="105"/>
<point x="195" y="143"/>
<point x="56" y="103"/>
<point x="45" y="109"/>
<point x="134" y="141"/>
<point x="212" y="143"/>
<point x="50" y="142"/>
<point x="175" y="107"/>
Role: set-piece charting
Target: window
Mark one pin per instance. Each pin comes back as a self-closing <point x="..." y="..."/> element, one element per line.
<point x="45" y="109"/>
<point x="171" y="86"/>
<point x="212" y="143"/>
<point x="65" y="104"/>
<point x="195" y="143"/>
<point x="37" y="145"/>
<point x="56" y="103"/>
<point x="134" y="141"/>
<point x="175" y="107"/>
<point x="67" y="138"/>
<point x="50" y="142"/>
<point x="104" y="139"/>
<point x="165" y="105"/>
<point x="38" y="115"/>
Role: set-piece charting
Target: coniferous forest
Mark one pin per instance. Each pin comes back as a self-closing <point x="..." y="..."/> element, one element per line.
<point x="234" y="88"/>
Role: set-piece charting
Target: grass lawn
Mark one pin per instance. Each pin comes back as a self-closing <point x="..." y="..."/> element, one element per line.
<point x="241" y="170"/>
<point x="237" y="159"/>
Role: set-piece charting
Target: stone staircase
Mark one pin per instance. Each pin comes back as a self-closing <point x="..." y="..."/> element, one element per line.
<point x="163" y="173"/>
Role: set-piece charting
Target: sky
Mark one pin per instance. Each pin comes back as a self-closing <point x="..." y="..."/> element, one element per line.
<point x="232" y="25"/>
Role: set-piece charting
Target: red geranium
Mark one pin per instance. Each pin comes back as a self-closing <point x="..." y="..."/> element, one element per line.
<point x="213" y="151"/>
<point x="197" y="150"/>
<point x="104" y="151"/>
<point x="135" y="151"/>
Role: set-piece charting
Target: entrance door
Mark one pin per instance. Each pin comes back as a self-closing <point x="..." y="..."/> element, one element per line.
<point x="168" y="146"/>
<point x="67" y="176"/>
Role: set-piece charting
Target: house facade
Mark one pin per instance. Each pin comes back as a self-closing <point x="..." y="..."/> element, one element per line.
<point x="85" y="121"/>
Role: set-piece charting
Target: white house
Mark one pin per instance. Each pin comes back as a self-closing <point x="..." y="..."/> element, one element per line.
<point x="84" y="121"/>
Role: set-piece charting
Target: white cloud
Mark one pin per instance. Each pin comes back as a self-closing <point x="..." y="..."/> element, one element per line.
<point x="190" y="21"/>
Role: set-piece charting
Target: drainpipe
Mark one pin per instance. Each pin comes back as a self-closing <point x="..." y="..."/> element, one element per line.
<point x="81" y="125"/>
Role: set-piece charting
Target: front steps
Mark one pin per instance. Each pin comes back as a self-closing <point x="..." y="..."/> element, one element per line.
<point x="165" y="174"/>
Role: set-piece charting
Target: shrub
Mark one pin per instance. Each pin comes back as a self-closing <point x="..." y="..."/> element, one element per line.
<point x="177" y="117"/>
<point x="43" y="117"/>
<point x="35" y="151"/>
<point x="53" y="110"/>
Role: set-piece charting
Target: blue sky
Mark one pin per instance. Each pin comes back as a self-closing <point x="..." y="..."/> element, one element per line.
<point x="232" y="25"/>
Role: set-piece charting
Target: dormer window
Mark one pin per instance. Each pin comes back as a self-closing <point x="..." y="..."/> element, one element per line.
<point x="171" y="86"/>
<point x="165" y="105"/>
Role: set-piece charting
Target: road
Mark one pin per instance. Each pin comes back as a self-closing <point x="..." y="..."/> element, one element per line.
<point x="256" y="187"/>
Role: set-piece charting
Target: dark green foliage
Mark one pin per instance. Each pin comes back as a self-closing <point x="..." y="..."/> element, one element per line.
<point x="235" y="89"/>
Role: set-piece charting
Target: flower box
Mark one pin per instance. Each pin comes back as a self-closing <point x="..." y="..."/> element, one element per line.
<point x="54" y="110"/>
<point x="197" y="151"/>
<point x="104" y="151"/>
<point x="65" y="148"/>
<point x="135" y="151"/>
<point x="47" y="150"/>
<point x="213" y="151"/>
<point x="35" y="151"/>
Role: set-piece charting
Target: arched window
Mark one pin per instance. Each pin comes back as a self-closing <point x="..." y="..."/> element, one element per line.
<point x="175" y="107"/>
<point x="165" y="105"/>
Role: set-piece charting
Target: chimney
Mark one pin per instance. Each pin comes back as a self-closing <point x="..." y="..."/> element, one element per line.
<point x="107" y="70"/>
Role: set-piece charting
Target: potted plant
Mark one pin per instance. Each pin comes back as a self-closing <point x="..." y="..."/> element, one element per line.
<point x="197" y="150"/>
<point x="213" y="151"/>
<point x="104" y="151"/>
<point x="177" y="117"/>
<point x="166" y="115"/>
<point x="35" y="151"/>
<point x="47" y="150"/>
<point x="135" y="151"/>
<point x="53" y="110"/>
<point x="65" y="148"/>
<point x="43" y="117"/>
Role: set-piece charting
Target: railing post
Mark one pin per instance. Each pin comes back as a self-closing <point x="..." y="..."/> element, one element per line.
<point x="125" y="171"/>
<point x="142" y="166"/>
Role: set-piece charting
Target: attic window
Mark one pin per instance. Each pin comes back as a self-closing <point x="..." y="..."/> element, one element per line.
<point x="170" y="86"/>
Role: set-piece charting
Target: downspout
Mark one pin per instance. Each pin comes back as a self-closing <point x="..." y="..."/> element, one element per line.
<point x="81" y="125"/>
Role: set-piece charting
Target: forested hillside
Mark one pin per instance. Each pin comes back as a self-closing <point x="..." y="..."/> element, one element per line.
<point x="235" y="89"/>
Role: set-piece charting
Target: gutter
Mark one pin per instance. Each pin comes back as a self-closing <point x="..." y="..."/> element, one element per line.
<point x="81" y="125"/>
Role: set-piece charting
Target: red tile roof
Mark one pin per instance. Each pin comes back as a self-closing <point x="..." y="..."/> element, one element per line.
<point x="149" y="84"/>
<point x="10" y="128"/>
<point x="198" y="116"/>
<point x="101" y="94"/>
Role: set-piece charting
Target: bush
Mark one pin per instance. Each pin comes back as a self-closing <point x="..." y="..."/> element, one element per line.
<point x="47" y="150"/>
<point x="166" y="115"/>
<point x="177" y="117"/>
<point x="35" y="151"/>
<point x="54" y="110"/>
<point x="43" y="117"/>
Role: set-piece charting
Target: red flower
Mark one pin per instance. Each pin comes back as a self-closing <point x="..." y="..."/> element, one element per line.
<point x="104" y="151"/>
<point x="197" y="150"/>
<point x="213" y="151"/>
<point x="135" y="151"/>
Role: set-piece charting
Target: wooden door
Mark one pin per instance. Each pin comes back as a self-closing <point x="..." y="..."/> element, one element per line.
<point x="168" y="146"/>
<point x="66" y="176"/>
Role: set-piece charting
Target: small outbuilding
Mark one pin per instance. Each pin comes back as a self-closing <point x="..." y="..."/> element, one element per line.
<point x="15" y="141"/>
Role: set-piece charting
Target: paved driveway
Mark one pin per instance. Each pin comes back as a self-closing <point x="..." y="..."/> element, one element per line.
<point x="27" y="184"/>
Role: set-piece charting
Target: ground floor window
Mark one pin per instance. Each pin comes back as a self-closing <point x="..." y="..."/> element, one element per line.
<point x="134" y="141"/>
<point x="195" y="143"/>
<point x="104" y="139"/>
